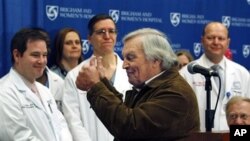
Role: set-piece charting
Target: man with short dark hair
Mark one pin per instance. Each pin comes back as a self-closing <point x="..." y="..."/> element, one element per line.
<point x="28" y="109"/>
<point x="77" y="111"/>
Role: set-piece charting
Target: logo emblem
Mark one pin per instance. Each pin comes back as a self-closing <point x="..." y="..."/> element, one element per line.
<point x="115" y="15"/>
<point x="175" y="18"/>
<point x="226" y="20"/>
<point x="246" y="50"/>
<point x="52" y="12"/>
<point x="85" y="47"/>
<point x="197" y="49"/>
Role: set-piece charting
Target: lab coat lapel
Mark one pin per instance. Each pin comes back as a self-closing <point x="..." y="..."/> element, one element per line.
<point x="20" y="85"/>
<point x="46" y="99"/>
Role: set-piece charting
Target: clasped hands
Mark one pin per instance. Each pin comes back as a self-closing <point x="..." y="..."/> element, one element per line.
<point x="90" y="74"/>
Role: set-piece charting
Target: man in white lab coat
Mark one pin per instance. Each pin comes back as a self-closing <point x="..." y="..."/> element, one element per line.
<point x="28" y="109"/>
<point x="215" y="40"/>
<point x="76" y="108"/>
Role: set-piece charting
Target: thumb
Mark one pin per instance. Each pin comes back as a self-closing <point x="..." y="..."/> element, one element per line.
<point x="92" y="61"/>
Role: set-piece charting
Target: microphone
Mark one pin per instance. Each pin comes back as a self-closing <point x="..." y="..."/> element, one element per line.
<point x="193" y="68"/>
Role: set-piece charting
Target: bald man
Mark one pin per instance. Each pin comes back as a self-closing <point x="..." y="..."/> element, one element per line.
<point x="235" y="78"/>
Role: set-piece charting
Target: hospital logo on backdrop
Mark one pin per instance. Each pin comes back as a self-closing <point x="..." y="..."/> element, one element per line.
<point x="226" y="20"/>
<point x="197" y="49"/>
<point x="246" y="50"/>
<point x="85" y="46"/>
<point x="115" y="14"/>
<point x="52" y="12"/>
<point x="175" y="18"/>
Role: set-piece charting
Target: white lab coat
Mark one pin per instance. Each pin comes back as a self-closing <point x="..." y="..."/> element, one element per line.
<point x="77" y="111"/>
<point x="237" y="83"/>
<point x="24" y="117"/>
<point x="55" y="84"/>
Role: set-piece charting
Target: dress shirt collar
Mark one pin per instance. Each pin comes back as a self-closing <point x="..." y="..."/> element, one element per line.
<point x="149" y="80"/>
<point x="222" y="63"/>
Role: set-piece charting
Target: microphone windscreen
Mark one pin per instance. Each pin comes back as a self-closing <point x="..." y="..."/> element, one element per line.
<point x="190" y="67"/>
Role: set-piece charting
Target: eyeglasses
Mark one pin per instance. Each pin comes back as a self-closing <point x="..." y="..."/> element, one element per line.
<point x="241" y="116"/>
<point x="104" y="31"/>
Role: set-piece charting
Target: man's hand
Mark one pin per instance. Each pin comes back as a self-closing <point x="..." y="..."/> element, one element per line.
<point x="89" y="75"/>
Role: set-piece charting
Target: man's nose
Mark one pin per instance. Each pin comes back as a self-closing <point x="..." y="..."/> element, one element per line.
<point x="125" y="64"/>
<point x="239" y="121"/>
<point x="107" y="34"/>
<point x="42" y="59"/>
<point x="216" y="40"/>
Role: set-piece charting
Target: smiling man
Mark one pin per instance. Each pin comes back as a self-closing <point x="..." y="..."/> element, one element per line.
<point x="161" y="106"/>
<point x="235" y="79"/>
<point x="28" y="109"/>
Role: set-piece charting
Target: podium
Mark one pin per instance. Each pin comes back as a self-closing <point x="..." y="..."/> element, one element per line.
<point x="208" y="136"/>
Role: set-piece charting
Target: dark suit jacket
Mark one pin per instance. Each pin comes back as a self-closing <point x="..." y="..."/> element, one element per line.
<point x="165" y="109"/>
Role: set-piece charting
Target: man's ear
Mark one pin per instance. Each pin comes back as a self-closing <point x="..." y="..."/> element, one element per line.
<point x="157" y="62"/>
<point x="16" y="55"/>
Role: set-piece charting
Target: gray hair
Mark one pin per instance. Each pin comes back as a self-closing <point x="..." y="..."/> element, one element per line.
<point x="234" y="100"/>
<point x="155" y="45"/>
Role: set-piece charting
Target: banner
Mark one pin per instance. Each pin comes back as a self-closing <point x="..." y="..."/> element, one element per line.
<point x="181" y="21"/>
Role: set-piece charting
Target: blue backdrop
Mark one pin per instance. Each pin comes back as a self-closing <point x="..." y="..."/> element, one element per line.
<point x="181" y="20"/>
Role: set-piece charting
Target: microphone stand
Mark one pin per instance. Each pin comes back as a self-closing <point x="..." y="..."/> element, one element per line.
<point x="209" y="113"/>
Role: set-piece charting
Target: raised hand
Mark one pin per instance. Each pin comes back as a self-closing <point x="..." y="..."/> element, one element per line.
<point x="89" y="75"/>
